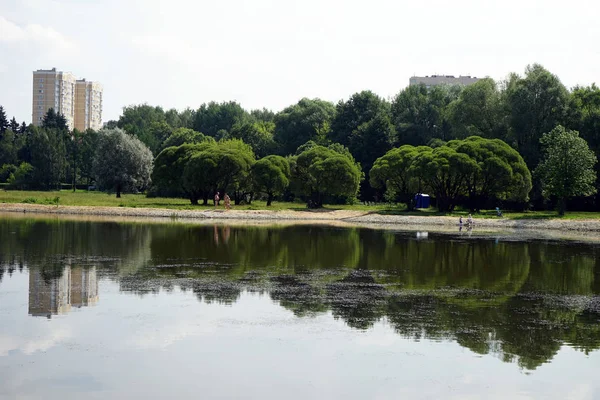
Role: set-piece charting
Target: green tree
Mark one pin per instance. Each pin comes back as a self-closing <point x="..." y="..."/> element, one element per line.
<point x="309" y="119"/>
<point x="14" y="125"/>
<point x="221" y="167"/>
<point x="501" y="172"/>
<point x="567" y="167"/>
<point x="144" y="122"/>
<point x="87" y="149"/>
<point x="262" y="115"/>
<point x="445" y="172"/>
<point x="320" y="171"/>
<point x="46" y="147"/>
<point x="419" y="113"/>
<point x="185" y="135"/>
<point x="212" y="117"/>
<point x="478" y="111"/>
<point x="392" y="172"/>
<point x="6" y="171"/>
<point x="22" y="177"/>
<point x="3" y="121"/>
<point x="364" y="118"/>
<point x="8" y="148"/>
<point x="122" y="162"/>
<point x="167" y="175"/>
<point x="259" y="135"/>
<point x="538" y="103"/>
<point x="584" y="114"/>
<point x="271" y="175"/>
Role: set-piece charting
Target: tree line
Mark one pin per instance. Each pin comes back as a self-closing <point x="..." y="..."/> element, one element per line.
<point x="475" y="134"/>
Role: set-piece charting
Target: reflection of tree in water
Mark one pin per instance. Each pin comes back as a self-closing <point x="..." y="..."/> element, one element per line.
<point x="357" y="299"/>
<point x="481" y="293"/>
<point x="300" y="297"/>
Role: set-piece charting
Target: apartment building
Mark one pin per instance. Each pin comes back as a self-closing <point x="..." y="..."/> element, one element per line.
<point x="435" y="80"/>
<point x="80" y="101"/>
<point x="53" y="89"/>
<point x="88" y="105"/>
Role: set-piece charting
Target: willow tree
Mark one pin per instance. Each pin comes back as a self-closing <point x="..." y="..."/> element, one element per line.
<point x="392" y="173"/>
<point x="271" y="175"/>
<point x="320" y="171"/>
<point x="500" y="173"/>
<point x="445" y="172"/>
<point x="122" y="162"/>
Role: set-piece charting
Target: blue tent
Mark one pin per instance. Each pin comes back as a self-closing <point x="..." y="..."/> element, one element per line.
<point x="422" y="200"/>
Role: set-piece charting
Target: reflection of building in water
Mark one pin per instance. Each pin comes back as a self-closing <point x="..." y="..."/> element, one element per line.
<point x="76" y="287"/>
<point x="84" y="287"/>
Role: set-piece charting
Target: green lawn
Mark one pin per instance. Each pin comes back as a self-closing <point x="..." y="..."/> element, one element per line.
<point x="85" y="198"/>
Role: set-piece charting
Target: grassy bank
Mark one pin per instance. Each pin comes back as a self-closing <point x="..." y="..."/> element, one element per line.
<point x="85" y="198"/>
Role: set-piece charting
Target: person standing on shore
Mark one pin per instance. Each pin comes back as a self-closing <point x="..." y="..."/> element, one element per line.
<point x="217" y="199"/>
<point x="227" y="201"/>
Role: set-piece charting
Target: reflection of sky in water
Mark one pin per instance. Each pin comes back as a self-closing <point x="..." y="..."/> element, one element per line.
<point x="170" y="345"/>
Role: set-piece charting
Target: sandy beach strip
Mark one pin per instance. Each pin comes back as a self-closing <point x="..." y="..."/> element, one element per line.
<point x="347" y="217"/>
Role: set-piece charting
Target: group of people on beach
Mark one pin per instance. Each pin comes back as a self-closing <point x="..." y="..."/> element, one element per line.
<point x="469" y="223"/>
<point x="226" y="200"/>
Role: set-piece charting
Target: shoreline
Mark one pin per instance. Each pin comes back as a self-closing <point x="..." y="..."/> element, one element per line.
<point x="324" y="216"/>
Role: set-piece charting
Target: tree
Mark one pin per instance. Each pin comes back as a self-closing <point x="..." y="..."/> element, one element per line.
<point x="364" y="118"/>
<point x="87" y="149"/>
<point x="112" y="124"/>
<point x="263" y="115"/>
<point x="392" y="172"/>
<point x="501" y="172"/>
<point x="21" y="178"/>
<point x="144" y="122"/>
<point x="3" y="121"/>
<point x="259" y="135"/>
<point x="309" y="119"/>
<point x="537" y="103"/>
<point x="271" y="175"/>
<point x="8" y="148"/>
<point x="47" y="150"/>
<point x="14" y="125"/>
<point x="221" y="167"/>
<point x="212" y="117"/>
<point x="445" y="172"/>
<point x="54" y="120"/>
<point x="167" y="175"/>
<point x="122" y="162"/>
<point x="478" y="111"/>
<point x="185" y="135"/>
<point x="567" y="167"/>
<point x="419" y="113"/>
<point x="320" y="171"/>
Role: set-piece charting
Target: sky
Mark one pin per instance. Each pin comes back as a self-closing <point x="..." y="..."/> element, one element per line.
<point x="272" y="53"/>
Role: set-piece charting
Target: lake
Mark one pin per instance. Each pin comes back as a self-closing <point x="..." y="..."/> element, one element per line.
<point x="122" y="310"/>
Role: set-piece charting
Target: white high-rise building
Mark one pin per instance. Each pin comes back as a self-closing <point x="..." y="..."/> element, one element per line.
<point x="79" y="101"/>
<point x="435" y="80"/>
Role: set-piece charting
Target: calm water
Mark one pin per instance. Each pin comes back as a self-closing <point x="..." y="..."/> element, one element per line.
<point x="129" y="310"/>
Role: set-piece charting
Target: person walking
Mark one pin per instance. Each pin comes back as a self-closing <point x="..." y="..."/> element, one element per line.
<point x="217" y="199"/>
<point x="227" y="201"/>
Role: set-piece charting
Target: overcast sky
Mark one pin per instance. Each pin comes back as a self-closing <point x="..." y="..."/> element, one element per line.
<point x="271" y="53"/>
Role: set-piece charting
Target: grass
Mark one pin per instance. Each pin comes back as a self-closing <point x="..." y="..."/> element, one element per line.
<point x="85" y="198"/>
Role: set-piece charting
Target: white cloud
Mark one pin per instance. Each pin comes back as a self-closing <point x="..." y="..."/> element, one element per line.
<point x="165" y="336"/>
<point x="34" y="33"/>
<point x="31" y="346"/>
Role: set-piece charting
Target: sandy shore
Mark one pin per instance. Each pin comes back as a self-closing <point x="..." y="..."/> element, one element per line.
<point x="344" y="216"/>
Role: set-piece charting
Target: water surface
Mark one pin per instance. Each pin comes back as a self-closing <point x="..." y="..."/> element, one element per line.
<point x="133" y="310"/>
